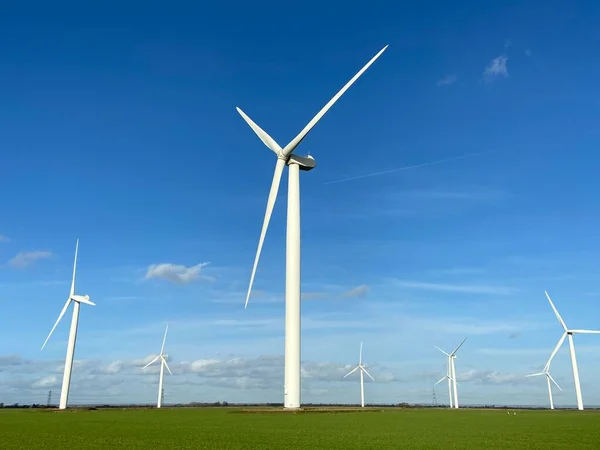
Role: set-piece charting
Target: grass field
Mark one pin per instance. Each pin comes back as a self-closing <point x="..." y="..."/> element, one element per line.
<point x="225" y="428"/>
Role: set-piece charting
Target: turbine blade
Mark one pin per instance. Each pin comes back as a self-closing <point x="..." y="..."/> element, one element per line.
<point x="262" y="134"/>
<point x="441" y="350"/>
<point x="151" y="362"/>
<point x="294" y="143"/>
<point x="365" y="371"/>
<point x="74" y="268"/>
<point x="166" y="365"/>
<point x="351" y="372"/>
<point x="456" y="349"/>
<point x="441" y="379"/>
<point x="60" y="316"/>
<point x="536" y="374"/>
<point x="360" y="355"/>
<point x="162" y="348"/>
<point x="554" y="381"/>
<point x="560" y="341"/>
<point x="585" y="331"/>
<point x="562" y="322"/>
<point x="270" y="204"/>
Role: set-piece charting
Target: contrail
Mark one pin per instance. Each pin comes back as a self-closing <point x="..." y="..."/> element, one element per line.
<point x="456" y="158"/>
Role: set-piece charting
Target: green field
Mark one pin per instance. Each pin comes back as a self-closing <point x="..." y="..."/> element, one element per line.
<point x="229" y="428"/>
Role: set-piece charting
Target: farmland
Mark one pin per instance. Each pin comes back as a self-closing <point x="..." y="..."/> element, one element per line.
<point x="231" y="428"/>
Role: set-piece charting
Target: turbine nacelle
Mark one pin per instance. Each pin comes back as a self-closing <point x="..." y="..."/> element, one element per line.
<point x="82" y="299"/>
<point x="306" y="163"/>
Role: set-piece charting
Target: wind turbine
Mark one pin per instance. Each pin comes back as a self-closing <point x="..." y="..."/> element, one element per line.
<point x="77" y="300"/>
<point x="292" y="272"/>
<point x="363" y="371"/>
<point x="548" y="379"/>
<point x="452" y="370"/>
<point x="163" y="364"/>
<point x="570" y="334"/>
<point x="449" y="378"/>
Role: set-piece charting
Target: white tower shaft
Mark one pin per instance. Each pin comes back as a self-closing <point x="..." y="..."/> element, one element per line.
<point x="575" y="373"/>
<point x="454" y="384"/>
<point x="160" y="382"/>
<point x="64" y="392"/>
<point x="362" y="388"/>
<point x="550" y="392"/>
<point x="292" y="292"/>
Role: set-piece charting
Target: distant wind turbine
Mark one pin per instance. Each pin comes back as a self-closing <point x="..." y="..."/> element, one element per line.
<point x="569" y="333"/>
<point x="163" y="364"/>
<point x="452" y="372"/>
<point x="77" y="300"/>
<point x="363" y="371"/>
<point x="295" y="163"/>
<point x="548" y="379"/>
<point x="449" y="378"/>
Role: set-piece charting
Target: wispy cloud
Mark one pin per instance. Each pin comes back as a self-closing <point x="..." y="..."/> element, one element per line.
<point x="177" y="273"/>
<point x="507" y="43"/>
<point x="359" y="291"/>
<point x="466" y="288"/>
<point x="459" y="271"/>
<point x="415" y="166"/>
<point x="528" y="52"/>
<point x="478" y="194"/>
<point x="313" y="295"/>
<point x="4" y="238"/>
<point x="491" y="377"/>
<point x="496" y="68"/>
<point x="24" y="259"/>
<point x="447" y="80"/>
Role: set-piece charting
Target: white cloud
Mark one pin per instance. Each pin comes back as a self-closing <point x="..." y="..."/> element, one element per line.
<point x="490" y="377"/>
<point x="466" y="288"/>
<point x="24" y="259"/>
<point x="359" y="291"/>
<point x="177" y="273"/>
<point x="447" y="80"/>
<point x="313" y="295"/>
<point x="496" y="68"/>
<point x="46" y="382"/>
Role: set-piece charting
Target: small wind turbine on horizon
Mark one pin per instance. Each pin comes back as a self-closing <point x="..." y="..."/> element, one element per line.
<point x="451" y="375"/>
<point x="295" y="163"/>
<point x="363" y="371"/>
<point x="574" y="366"/>
<point x="163" y="364"/>
<point x="548" y="379"/>
<point x="77" y="300"/>
<point x="449" y="378"/>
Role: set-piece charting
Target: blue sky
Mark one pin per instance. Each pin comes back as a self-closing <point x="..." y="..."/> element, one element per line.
<point x="119" y="127"/>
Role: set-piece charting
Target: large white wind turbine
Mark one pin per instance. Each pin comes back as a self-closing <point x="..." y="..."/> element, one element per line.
<point x="296" y="163"/>
<point x="163" y="364"/>
<point x="363" y="371"/>
<point x="548" y="379"/>
<point x="570" y="334"/>
<point x="76" y="299"/>
<point x="452" y="373"/>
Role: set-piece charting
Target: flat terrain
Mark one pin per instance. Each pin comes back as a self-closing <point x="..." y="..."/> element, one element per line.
<point x="230" y="428"/>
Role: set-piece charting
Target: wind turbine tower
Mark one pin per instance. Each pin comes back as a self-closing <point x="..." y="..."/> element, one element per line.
<point x="452" y="373"/>
<point x="163" y="363"/>
<point x="295" y="163"/>
<point x="568" y="332"/>
<point x="76" y="300"/>
<point x="363" y="371"/>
